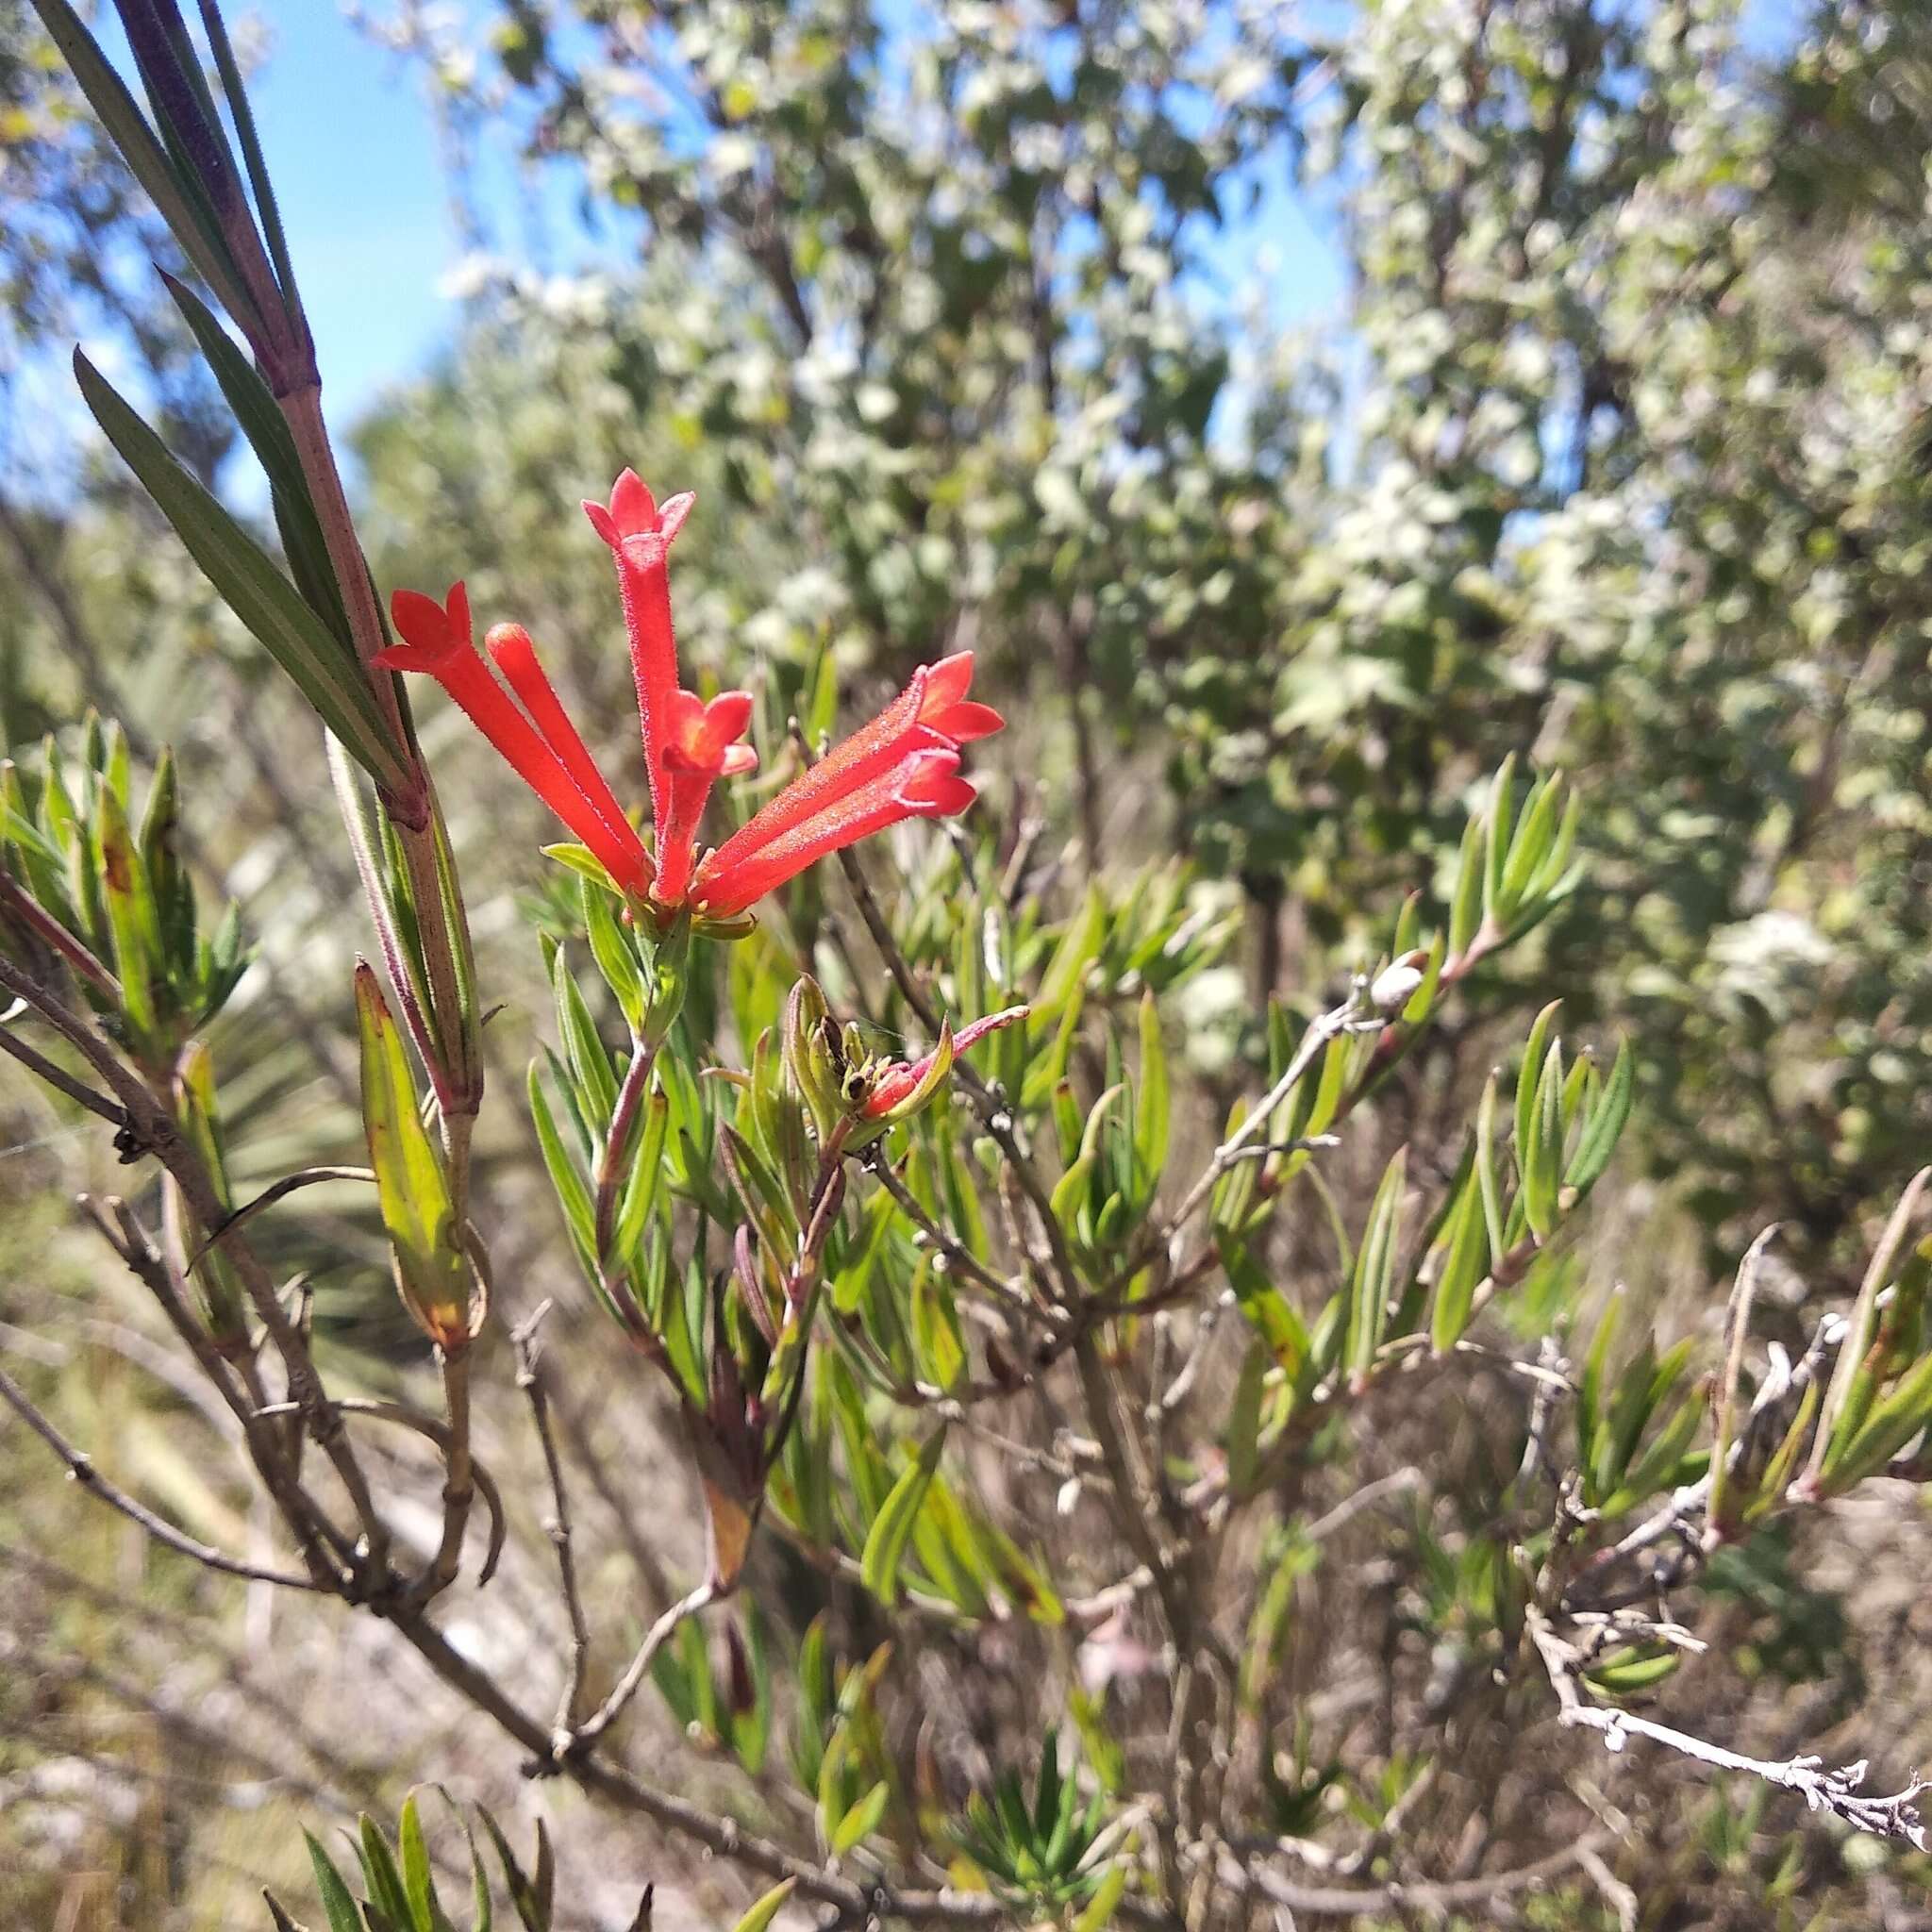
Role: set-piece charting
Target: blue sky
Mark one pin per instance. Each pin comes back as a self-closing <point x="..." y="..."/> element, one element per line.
<point x="353" y="151"/>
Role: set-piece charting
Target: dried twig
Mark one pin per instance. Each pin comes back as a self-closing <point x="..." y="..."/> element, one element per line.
<point x="1836" y="1791"/>
<point x="613" y="1707"/>
<point x="1342" y="1902"/>
<point x="42" y="1068"/>
<point x="289" y="1184"/>
<point x="148" y="1126"/>
<point x="558" y="1526"/>
<point x="960" y="1257"/>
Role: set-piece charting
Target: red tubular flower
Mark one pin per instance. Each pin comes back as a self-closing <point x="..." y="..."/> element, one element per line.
<point x="640" y="532"/>
<point x="896" y="1083"/>
<point x="438" y="641"/>
<point x="514" y="654"/>
<point x="924" y="784"/>
<point x="904" y="764"/>
<point x="932" y="713"/>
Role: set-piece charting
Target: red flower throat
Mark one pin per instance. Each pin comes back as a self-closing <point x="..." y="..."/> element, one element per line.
<point x="904" y="764"/>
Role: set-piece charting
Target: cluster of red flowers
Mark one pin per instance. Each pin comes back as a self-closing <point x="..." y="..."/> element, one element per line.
<point x="904" y="764"/>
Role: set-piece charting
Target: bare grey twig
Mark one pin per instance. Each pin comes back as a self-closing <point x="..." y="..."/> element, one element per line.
<point x="613" y="1707"/>
<point x="1834" y="1791"/>
<point x="557" y="1525"/>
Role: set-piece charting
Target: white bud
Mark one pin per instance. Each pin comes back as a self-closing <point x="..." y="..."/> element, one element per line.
<point x="1391" y="987"/>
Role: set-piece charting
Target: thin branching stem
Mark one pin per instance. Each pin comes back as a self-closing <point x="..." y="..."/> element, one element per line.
<point x="81" y="1468"/>
<point x="153" y="1130"/>
<point x="558" y="1526"/>
<point x="613" y="1707"/>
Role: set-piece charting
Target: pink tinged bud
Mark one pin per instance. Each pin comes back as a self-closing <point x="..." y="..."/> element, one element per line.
<point x="640" y="532"/>
<point x="437" y="642"/>
<point x="925" y="785"/>
<point x="897" y="1084"/>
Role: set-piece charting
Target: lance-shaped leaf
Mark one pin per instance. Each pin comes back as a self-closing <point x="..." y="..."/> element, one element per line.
<point x="1271" y="1314"/>
<point x="182" y="206"/>
<point x="1848" y="1397"/>
<point x="380" y="1875"/>
<point x="132" y="921"/>
<point x="1604" y="1126"/>
<point x="1465" y="1258"/>
<point x="885" y="1545"/>
<point x="767" y="1909"/>
<point x="1540" y="1157"/>
<point x="425" y="1245"/>
<point x="249" y="582"/>
<point x="267" y="429"/>
<point x="530" y="1894"/>
<point x="1534" y="1052"/>
<point x="1151" y="1102"/>
<point x="224" y="1298"/>
<point x="419" y="1881"/>
<point x="1375" y="1269"/>
<point x="337" y="1899"/>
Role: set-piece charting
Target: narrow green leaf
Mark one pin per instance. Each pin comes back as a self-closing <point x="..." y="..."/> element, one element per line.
<point x="1078" y="947"/>
<point x="252" y="587"/>
<point x="767" y="1909"/>
<point x="589" y="1058"/>
<point x="522" y="1895"/>
<point x="419" y="1882"/>
<point x="1466" y="904"/>
<point x="1848" y="1396"/>
<point x="418" y="1214"/>
<point x="267" y="212"/>
<point x="256" y="410"/>
<point x="1151" y="1100"/>
<point x="1528" y="1074"/>
<point x="1629" y="1670"/>
<point x="1604" y="1126"/>
<point x="336" y="1900"/>
<point x="1542" y="1157"/>
<point x="1535" y="837"/>
<point x="1245" y="1420"/>
<point x="1496" y="847"/>
<point x="885" y="1544"/>
<point x="132" y="919"/>
<point x="573" y="1193"/>
<point x="1486" y="1167"/>
<point x="380" y="1873"/>
<point x="860" y="1821"/>
<point x="1890" y="1425"/>
<point x="128" y="128"/>
<point x="1269" y="1311"/>
<point x="1099" y="1910"/>
<point x="1465" y="1261"/>
<point x="1374" y="1267"/>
